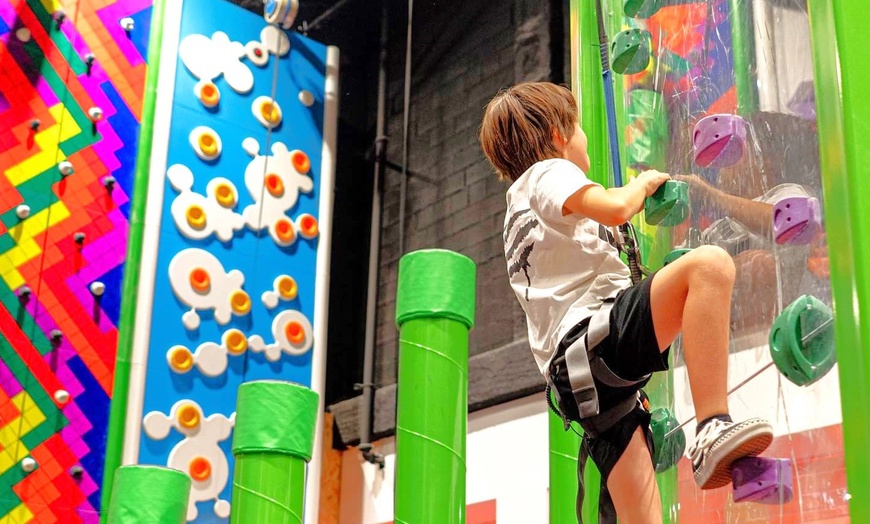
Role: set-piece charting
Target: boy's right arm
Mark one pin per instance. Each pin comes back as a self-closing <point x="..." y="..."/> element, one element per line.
<point x="614" y="206"/>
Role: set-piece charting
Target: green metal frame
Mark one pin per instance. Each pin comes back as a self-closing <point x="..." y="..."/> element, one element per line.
<point x="121" y="388"/>
<point x="842" y="74"/>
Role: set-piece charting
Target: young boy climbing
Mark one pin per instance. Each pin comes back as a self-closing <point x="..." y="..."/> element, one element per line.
<point x="560" y="242"/>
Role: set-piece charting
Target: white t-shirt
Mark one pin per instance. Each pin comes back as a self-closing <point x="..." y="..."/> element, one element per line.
<point x="560" y="267"/>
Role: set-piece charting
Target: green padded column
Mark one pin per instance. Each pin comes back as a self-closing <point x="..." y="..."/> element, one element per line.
<point x="743" y="48"/>
<point x="272" y="442"/>
<point x="149" y="495"/>
<point x="434" y="312"/>
<point x="842" y="74"/>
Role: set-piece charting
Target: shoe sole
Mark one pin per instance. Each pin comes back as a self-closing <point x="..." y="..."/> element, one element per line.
<point x="755" y="441"/>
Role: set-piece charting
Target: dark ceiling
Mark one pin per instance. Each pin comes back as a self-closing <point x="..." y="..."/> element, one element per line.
<point x="309" y="10"/>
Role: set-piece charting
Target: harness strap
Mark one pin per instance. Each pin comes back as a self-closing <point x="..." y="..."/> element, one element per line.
<point x="595" y="426"/>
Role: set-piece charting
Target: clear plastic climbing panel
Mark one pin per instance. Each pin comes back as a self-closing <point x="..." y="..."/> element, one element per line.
<point x="719" y="93"/>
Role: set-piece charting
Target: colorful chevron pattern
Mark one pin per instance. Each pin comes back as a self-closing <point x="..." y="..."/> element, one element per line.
<point x="45" y="75"/>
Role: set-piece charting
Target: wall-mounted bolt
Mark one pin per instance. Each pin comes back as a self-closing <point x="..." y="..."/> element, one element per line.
<point x="109" y="182"/>
<point x="79" y="238"/>
<point x="98" y="288"/>
<point x="22" y="211"/>
<point x="89" y="59"/>
<point x="66" y="168"/>
<point x="28" y="464"/>
<point x="61" y="396"/>
<point x="56" y="335"/>
<point x="95" y="114"/>
<point x="24" y="292"/>
<point x="59" y="16"/>
<point x="76" y="472"/>
<point x="127" y="23"/>
<point x="34" y="124"/>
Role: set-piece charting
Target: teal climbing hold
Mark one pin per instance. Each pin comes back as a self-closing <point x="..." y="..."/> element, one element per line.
<point x="675" y="254"/>
<point x="641" y="8"/>
<point x="630" y="51"/>
<point x="667" y="450"/>
<point x="669" y="205"/>
<point x="802" y="341"/>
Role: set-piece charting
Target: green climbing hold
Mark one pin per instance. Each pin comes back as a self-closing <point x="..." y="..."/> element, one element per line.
<point x="641" y="8"/>
<point x="669" y="205"/>
<point x="667" y="450"/>
<point x="802" y="341"/>
<point x="675" y="254"/>
<point x="631" y="51"/>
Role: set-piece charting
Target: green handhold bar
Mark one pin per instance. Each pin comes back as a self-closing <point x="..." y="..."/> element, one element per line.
<point x="630" y="51"/>
<point x="669" y="205"/>
<point x="272" y="441"/>
<point x="149" y="495"/>
<point x="434" y="311"/>
<point x="669" y="447"/>
<point x="675" y="254"/>
<point x="802" y="341"/>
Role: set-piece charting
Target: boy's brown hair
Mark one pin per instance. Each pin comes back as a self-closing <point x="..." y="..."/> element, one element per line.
<point x="518" y="125"/>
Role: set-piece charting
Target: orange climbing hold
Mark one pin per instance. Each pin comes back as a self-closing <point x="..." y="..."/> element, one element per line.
<point x="180" y="359"/>
<point x="208" y="144"/>
<point x="188" y="416"/>
<point x="285" y="231"/>
<point x="270" y="112"/>
<point x="209" y="95"/>
<point x="287" y="288"/>
<point x="301" y="162"/>
<point x="308" y="226"/>
<point x="295" y="332"/>
<point x="196" y="217"/>
<point x="199" y="469"/>
<point x="225" y="195"/>
<point x="200" y="280"/>
<point x="241" y="302"/>
<point x="236" y="341"/>
<point x="274" y="185"/>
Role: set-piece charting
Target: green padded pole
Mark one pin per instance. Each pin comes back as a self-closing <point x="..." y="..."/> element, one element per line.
<point x="743" y="47"/>
<point x="842" y="74"/>
<point x="434" y="312"/>
<point x="149" y="495"/>
<point x="272" y="442"/>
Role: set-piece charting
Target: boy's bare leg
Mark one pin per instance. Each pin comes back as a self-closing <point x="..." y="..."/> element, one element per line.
<point x="632" y="485"/>
<point x="692" y="295"/>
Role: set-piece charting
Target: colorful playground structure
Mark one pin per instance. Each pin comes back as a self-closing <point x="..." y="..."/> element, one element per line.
<point x="166" y="177"/>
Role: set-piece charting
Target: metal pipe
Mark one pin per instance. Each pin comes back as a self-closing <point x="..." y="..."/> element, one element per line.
<point x="403" y="185"/>
<point x="367" y="386"/>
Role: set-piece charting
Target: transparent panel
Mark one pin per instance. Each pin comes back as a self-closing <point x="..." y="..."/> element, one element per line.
<point x="752" y="169"/>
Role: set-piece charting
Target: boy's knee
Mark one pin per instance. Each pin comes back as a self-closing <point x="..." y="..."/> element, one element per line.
<point x="713" y="263"/>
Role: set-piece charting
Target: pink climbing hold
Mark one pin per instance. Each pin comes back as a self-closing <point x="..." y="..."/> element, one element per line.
<point x="796" y="220"/>
<point x="718" y="140"/>
<point x="762" y="480"/>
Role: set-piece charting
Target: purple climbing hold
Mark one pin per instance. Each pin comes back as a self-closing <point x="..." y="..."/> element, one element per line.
<point x="762" y="480"/>
<point x="718" y="140"/>
<point x="803" y="103"/>
<point x="796" y="220"/>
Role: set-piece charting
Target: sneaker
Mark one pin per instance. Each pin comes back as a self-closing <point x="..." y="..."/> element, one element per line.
<point x="720" y="443"/>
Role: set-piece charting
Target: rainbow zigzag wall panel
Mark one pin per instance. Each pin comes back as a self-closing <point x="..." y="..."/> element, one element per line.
<point x="63" y="243"/>
<point x="235" y="250"/>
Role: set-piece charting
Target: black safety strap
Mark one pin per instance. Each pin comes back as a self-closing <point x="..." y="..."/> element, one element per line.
<point x="606" y="509"/>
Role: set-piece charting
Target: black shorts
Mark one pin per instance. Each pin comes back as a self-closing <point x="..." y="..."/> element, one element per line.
<point x="631" y="351"/>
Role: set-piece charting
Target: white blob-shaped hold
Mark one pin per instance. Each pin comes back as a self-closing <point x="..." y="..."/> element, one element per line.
<point x="66" y="168"/>
<point x="199" y="216"/>
<point x="208" y="58"/>
<point x="281" y="331"/>
<point x="23" y="34"/>
<point x="223" y="286"/>
<point x="275" y="40"/>
<point x="190" y="320"/>
<point x="28" y="464"/>
<point x="128" y="24"/>
<point x="257" y="53"/>
<point x="201" y="442"/>
<point x="61" y="396"/>
<point x="95" y="114"/>
<point x="222" y="509"/>
<point x="306" y="98"/>
<point x="210" y="359"/>
<point x="270" y="299"/>
<point x="271" y="206"/>
<point x="22" y="211"/>
<point x="251" y="146"/>
<point x="267" y="112"/>
<point x="206" y="143"/>
<point x="98" y="288"/>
